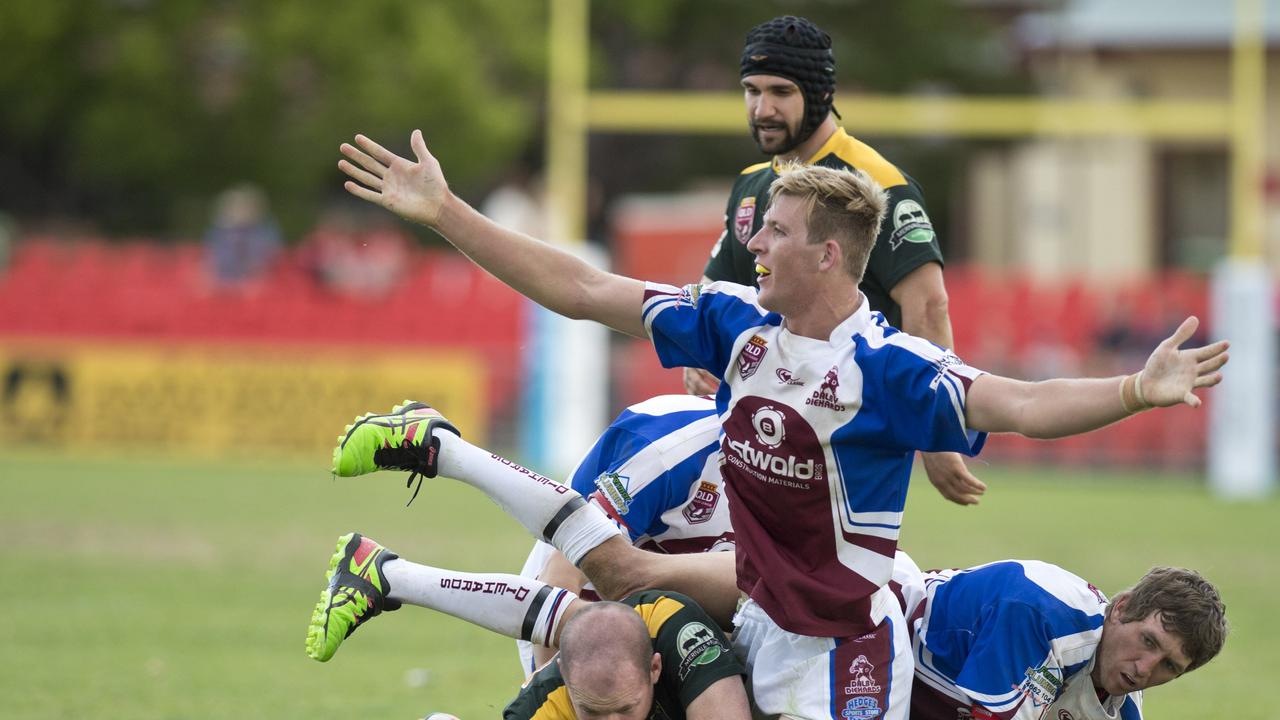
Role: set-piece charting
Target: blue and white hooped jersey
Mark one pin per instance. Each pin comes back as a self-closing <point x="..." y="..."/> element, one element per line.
<point x="656" y="472"/>
<point x="818" y="441"/>
<point x="1017" y="638"/>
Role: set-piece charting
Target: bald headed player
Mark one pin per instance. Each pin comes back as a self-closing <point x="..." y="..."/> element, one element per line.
<point x="656" y="654"/>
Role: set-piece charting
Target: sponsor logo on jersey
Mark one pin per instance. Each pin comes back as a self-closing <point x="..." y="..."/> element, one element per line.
<point x="614" y="489"/>
<point x="910" y="224"/>
<point x="697" y="645"/>
<point x="785" y="377"/>
<point x="861" y="708"/>
<point x="1041" y="685"/>
<point x="1065" y="715"/>
<point x="744" y="219"/>
<point x="862" y="683"/>
<point x="689" y="295"/>
<point x="704" y="503"/>
<point x="769" y="426"/>
<point x="772" y="443"/>
<point x="827" y="396"/>
<point x="752" y="353"/>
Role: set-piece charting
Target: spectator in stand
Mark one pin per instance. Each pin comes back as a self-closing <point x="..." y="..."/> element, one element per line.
<point x="243" y="239"/>
<point x="353" y="257"/>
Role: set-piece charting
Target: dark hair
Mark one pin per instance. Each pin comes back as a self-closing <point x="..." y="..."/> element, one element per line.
<point x="796" y="49"/>
<point x="1189" y="607"/>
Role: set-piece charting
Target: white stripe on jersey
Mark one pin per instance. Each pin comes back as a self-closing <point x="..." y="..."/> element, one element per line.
<point x="666" y="452"/>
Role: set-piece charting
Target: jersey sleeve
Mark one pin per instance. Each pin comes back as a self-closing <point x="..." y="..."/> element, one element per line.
<point x="1018" y="645"/>
<point x="698" y="325"/>
<point x="623" y="474"/>
<point x="720" y="265"/>
<point x="906" y="241"/>
<point x="543" y="696"/>
<point x="927" y="390"/>
<point x="695" y="652"/>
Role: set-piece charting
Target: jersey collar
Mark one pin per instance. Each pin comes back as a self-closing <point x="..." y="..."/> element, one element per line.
<point x="828" y="147"/>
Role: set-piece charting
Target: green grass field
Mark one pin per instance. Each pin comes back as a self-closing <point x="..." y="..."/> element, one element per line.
<point x="166" y="589"/>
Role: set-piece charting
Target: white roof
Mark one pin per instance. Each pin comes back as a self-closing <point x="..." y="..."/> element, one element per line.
<point x="1199" y="24"/>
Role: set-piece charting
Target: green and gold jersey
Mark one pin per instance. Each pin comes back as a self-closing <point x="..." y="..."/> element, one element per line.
<point x="906" y="240"/>
<point x="695" y="654"/>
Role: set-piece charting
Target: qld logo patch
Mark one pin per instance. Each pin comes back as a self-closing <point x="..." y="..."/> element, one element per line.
<point x="744" y="219"/>
<point x="703" y="504"/>
<point x="752" y="353"/>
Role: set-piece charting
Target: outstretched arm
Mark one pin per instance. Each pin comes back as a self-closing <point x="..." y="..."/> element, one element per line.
<point x="1057" y="408"/>
<point x="560" y="282"/>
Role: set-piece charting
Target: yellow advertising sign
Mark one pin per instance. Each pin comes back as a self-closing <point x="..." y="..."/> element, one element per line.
<point x="225" y="398"/>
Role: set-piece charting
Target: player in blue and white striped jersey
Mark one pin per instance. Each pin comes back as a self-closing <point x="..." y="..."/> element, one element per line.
<point x="1025" y="640"/>
<point x="655" y="471"/>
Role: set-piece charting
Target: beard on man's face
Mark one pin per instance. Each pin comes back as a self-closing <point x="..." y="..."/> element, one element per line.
<point x="776" y="146"/>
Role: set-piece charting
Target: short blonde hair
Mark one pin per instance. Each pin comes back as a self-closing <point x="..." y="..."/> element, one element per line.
<point x="844" y="205"/>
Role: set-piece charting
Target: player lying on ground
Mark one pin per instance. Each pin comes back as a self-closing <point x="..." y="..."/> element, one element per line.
<point x="1010" y="639"/>
<point x="823" y="406"/>
<point x="655" y="471"/>
<point x="656" y="654"/>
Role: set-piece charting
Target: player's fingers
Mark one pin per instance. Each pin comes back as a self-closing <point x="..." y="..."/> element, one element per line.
<point x="1208" y="351"/>
<point x="1212" y="364"/>
<point x="1191" y="399"/>
<point x="1208" y="380"/>
<point x="379" y="153"/>
<point x="355" y="155"/>
<point x="419" y="146"/>
<point x="365" y="178"/>
<point x="1183" y="333"/>
<point x="362" y="192"/>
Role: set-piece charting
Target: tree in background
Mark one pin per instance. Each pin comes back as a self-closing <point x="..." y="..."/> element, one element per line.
<point x="135" y="113"/>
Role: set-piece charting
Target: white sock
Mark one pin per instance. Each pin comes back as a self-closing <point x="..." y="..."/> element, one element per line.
<point x="549" y="510"/>
<point x="511" y="605"/>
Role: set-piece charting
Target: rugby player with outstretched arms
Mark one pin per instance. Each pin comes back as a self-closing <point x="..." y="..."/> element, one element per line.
<point x="816" y="470"/>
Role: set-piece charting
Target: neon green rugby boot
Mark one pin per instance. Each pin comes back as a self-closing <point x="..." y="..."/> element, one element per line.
<point x="357" y="592"/>
<point x="399" y="440"/>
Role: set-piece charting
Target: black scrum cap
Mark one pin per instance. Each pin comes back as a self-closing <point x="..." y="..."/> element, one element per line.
<point x="796" y="49"/>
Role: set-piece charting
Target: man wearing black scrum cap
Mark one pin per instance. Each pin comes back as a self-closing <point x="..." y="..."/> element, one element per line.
<point x="788" y="76"/>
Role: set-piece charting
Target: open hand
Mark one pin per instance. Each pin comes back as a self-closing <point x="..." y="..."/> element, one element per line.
<point x="950" y="477"/>
<point x="413" y="190"/>
<point x="1171" y="375"/>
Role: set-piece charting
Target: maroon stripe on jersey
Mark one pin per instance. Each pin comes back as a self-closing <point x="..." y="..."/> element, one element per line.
<point x="599" y="499"/>
<point x="650" y="293"/>
<point x="685" y="546"/>
<point x="929" y="704"/>
<point x="875" y="544"/>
